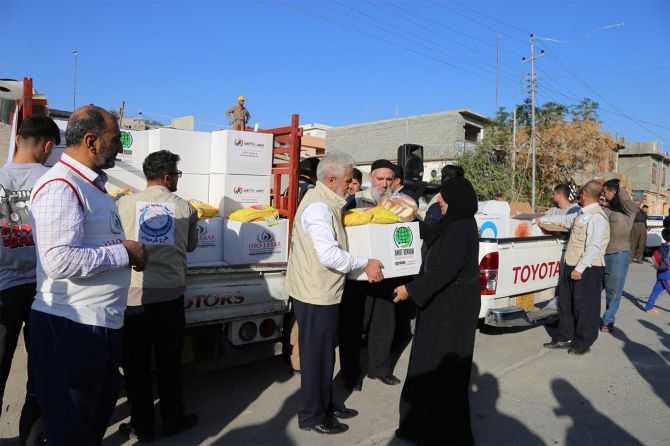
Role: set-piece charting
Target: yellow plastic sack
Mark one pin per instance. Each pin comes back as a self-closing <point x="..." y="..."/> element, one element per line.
<point x="204" y="210"/>
<point x="257" y="212"/>
<point x="118" y="193"/>
<point x="375" y="215"/>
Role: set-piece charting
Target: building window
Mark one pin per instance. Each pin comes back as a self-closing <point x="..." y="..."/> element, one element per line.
<point x="654" y="173"/>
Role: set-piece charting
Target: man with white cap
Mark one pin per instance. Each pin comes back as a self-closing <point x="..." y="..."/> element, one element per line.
<point x="238" y="115"/>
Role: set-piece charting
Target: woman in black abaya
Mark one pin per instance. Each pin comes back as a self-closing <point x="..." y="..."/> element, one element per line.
<point x="434" y="406"/>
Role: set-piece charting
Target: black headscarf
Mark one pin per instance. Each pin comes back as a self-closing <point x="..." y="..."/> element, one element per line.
<point x="459" y="194"/>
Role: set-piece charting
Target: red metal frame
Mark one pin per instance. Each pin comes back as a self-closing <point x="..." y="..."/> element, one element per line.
<point x="24" y="106"/>
<point x="287" y="148"/>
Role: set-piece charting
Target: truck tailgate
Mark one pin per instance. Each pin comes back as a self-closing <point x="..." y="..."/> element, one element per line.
<point x="224" y="294"/>
<point x="528" y="264"/>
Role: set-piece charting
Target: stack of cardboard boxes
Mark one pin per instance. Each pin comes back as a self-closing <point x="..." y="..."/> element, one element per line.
<point x="230" y="170"/>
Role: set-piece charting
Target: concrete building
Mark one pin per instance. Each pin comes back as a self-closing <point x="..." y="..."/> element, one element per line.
<point x="645" y="166"/>
<point x="444" y="136"/>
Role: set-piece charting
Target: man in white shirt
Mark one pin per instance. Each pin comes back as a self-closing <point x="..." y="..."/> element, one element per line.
<point x="582" y="273"/>
<point x="317" y="265"/>
<point x="35" y="140"/>
<point x="83" y="276"/>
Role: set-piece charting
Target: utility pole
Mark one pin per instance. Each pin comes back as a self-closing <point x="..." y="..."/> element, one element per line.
<point x="532" y="111"/>
<point x="75" y="53"/>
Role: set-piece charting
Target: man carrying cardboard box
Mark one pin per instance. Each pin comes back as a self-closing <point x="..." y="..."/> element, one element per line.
<point x="317" y="264"/>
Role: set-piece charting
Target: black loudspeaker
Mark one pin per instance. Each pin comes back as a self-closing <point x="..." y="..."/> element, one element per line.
<point x="410" y="158"/>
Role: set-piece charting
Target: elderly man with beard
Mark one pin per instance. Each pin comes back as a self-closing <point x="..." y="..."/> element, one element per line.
<point x="368" y="308"/>
<point x="317" y="264"/>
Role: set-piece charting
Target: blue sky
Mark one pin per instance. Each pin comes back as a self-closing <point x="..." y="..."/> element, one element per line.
<point x="342" y="62"/>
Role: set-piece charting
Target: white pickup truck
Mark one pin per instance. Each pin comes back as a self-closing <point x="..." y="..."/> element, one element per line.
<point x="518" y="278"/>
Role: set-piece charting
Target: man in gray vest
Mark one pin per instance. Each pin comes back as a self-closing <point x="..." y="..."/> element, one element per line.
<point x="581" y="273"/>
<point x="317" y="264"/>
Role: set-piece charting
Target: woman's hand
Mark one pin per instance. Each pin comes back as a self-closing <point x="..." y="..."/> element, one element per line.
<point x="400" y="294"/>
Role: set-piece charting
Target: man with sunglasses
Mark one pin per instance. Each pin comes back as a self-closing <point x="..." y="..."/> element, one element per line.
<point x="154" y="318"/>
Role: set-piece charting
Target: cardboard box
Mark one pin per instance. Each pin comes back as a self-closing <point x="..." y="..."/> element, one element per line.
<point x="193" y="147"/>
<point x="193" y="185"/>
<point x="523" y="227"/>
<point x="210" y="243"/>
<point x="493" y="207"/>
<point x="241" y="153"/>
<point x="135" y="149"/>
<point x="129" y="178"/>
<point x="492" y="226"/>
<point x="397" y="246"/>
<point x="232" y="192"/>
<point x="255" y="242"/>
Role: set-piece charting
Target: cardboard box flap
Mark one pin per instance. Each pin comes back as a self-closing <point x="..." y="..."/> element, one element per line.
<point x="519" y="207"/>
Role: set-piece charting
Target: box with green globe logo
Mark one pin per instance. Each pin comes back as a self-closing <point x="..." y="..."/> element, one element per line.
<point x="397" y="246"/>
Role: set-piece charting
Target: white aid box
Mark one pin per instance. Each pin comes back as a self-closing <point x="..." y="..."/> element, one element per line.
<point x="135" y="149"/>
<point x="128" y="178"/>
<point x="243" y="153"/>
<point x="492" y="226"/>
<point x="255" y="242"/>
<point x="229" y="193"/>
<point x="397" y="246"/>
<point x="523" y="227"/>
<point x="193" y="185"/>
<point x="210" y="243"/>
<point x="192" y="147"/>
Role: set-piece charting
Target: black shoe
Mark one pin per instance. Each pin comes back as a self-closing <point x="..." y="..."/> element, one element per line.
<point x="389" y="380"/>
<point x="329" y="426"/>
<point x="344" y="414"/>
<point x="186" y="423"/>
<point x="578" y="350"/>
<point x="295" y="372"/>
<point x="558" y="344"/>
<point x="128" y="431"/>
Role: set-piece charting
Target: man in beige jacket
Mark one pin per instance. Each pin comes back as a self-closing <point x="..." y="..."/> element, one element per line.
<point x="317" y="265"/>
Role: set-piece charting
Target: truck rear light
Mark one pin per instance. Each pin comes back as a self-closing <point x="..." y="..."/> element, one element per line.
<point x="268" y="328"/>
<point x="488" y="273"/>
<point x="248" y="331"/>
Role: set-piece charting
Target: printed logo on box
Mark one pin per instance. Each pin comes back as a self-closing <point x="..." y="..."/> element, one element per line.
<point x="250" y="149"/>
<point x="247" y="190"/>
<point x="404" y="254"/>
<point x="126" y="142"/>
<point x="265" y="244"/>
<point x="205" y="240"/>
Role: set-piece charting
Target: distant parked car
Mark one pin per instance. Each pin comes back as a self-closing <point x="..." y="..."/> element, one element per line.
<point x="654" y="229"/>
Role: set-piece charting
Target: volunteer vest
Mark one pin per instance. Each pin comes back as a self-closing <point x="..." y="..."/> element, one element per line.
<point x="166" y="218"/>
<point x="577" y="241"/>
<point x="306" y="278"/>
<point x="95" y="300"/>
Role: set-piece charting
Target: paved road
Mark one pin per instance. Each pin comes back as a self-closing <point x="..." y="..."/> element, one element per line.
<point x="619" y="394"/>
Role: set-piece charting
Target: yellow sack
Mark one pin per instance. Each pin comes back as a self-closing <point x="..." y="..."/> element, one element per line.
<point x="118" y="193"/>
<point x="375" y="215"/>
<point x="257" y="212"/>
<point x="204" y="210"/>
